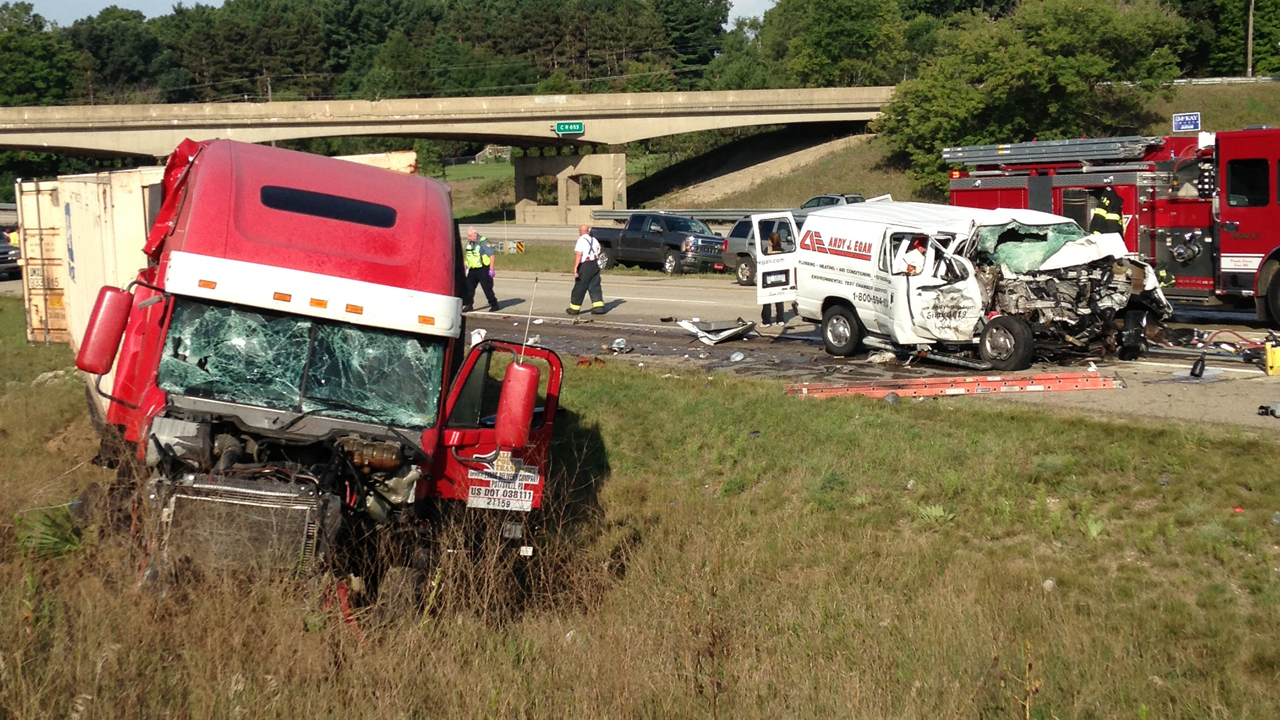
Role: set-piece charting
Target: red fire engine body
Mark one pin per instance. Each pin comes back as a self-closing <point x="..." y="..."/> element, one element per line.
<point x="1203" y="210"/>
<point x="285" y="362"/>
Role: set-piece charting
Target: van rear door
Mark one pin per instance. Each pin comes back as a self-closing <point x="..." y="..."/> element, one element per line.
<point x="775" y="270"/>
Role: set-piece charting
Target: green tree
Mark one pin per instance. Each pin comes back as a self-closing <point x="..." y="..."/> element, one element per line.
<point x="825" y="43"/>
<point x="693" y="29"/>
<point x="121" y="56"/>
<point x="740" y="64"/>
<point x="36" y="62"/>
<point x="1055" y="69"/>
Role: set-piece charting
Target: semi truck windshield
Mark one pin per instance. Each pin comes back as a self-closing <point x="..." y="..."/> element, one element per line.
<point x="285" y="362"/>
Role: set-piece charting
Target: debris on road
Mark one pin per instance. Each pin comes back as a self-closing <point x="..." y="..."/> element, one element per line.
<point x="1272" y="410"/>
<point x="990" y="384"/>
<point x="737" y="357"/>
<point x="714" y="333"/>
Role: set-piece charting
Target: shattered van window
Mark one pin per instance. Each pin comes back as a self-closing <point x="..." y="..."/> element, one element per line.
<point x="235" y="354"/>
<point x="253" y="357"/>
<point x="1023" y="248"/>
<point x="393" y="375"/>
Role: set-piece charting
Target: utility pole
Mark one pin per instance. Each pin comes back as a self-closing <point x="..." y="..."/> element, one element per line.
<point x="1248" y="52"/>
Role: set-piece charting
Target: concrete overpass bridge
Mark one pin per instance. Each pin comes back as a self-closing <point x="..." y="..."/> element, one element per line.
<point x="533" y="120"/>
<point x="605" y="119"/>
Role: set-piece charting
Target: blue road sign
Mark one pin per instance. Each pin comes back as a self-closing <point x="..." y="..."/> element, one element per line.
<point x="1186" y="122"/>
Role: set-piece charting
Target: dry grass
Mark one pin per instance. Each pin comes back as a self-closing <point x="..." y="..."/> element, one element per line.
<point x="1221" y="107"/>
<point x="723" y="552"/>
<point x="860" y="169"/>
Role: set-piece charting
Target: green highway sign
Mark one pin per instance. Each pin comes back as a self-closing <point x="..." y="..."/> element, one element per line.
<point x="574" y="127"/>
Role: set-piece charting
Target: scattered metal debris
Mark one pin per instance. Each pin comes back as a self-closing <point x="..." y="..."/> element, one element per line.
<point x="714" y="333"/>
<point x="1272" y="410"/>
<point x="737" y="357"/>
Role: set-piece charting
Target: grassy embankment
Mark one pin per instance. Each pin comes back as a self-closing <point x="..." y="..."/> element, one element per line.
<point x="750" y="556"/>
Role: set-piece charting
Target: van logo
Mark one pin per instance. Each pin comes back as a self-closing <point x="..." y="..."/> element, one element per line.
<point x="855" y="249"/>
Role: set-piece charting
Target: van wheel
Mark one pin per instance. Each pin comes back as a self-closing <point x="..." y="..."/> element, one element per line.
<point x="841" y="331"/>
<point x="671" y="263"/>
<point x="1007" y="343"/>
<point x="746" y="270"/>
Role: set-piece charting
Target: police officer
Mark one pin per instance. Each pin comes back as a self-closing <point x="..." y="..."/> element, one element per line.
<point x="586" y="274"/>
<point x="477" y="255"/>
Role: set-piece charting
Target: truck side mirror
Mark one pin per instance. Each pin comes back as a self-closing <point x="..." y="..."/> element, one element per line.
<point x="105" y="330"/>
<point x="516" y="405"/>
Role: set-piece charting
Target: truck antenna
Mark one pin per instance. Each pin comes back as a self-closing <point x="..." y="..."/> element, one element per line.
<point x="528" y="318"/>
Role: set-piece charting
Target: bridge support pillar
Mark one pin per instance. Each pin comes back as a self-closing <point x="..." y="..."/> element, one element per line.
<point x="568" y="171"/>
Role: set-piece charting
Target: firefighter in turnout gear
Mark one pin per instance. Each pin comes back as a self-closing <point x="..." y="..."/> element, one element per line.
<point x="1108" y="216"/>
<point x="477" y="256"/>
<point x="586" y="274"/>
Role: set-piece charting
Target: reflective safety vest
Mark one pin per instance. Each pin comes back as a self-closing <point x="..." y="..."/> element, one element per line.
<point x="471" y="256"/>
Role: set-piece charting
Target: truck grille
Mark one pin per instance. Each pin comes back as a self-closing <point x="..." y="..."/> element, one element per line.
<point x="241" y="525"/>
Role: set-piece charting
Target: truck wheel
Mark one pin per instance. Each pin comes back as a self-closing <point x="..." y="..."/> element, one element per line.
<point x="607" y="259"/>
<point x="746" y="270"/>
<point x="671" y="264"/>
<point x="398" y="594"/>
<point x="1273" y="300"/>
<point x="1133" y="338"/>
<point x="841" y="331"/>
<point x="1007" y="343"/>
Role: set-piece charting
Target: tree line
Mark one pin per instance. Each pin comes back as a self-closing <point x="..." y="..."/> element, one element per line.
<point x="968" y="70"/>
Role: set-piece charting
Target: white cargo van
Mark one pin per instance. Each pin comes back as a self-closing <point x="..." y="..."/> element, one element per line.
<point x="946" y="281"/>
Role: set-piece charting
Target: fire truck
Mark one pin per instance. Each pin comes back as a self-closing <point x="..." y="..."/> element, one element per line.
<point x="1203" y="210"/>
<point x="292" y="385"/>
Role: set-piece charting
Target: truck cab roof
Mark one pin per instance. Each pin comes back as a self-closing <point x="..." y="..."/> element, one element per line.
<point x="306" y="212"/>
<point x="310" y="235"/>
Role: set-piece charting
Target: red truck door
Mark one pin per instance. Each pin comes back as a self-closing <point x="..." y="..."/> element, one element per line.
<point x="1248" y="205"/>
<point x="466" y="467"/>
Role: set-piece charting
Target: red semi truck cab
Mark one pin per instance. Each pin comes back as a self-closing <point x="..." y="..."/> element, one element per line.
<point x="291" y="372"/>
<point x="1204" y="210"/>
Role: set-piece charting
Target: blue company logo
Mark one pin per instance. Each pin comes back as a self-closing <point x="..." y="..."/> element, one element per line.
<point x="1186" y="122"/>
<point x="71" y="253"/>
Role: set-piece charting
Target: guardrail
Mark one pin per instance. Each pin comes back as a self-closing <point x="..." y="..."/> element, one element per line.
<point x="713" y="215"/>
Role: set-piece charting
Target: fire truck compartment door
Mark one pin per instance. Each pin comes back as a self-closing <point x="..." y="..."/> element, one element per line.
<point x="775" y="271"/>
<point x="1248" y="205"/>
<point x="469" y="466"/>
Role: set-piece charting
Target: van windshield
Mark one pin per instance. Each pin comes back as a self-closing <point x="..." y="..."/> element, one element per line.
<point x="1023" y="248"/>
<point x="297" y="364"/>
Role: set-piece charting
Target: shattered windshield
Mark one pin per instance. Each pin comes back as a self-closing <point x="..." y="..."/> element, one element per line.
<point x="1023" y="248"/>
<point x="250" y="356"/>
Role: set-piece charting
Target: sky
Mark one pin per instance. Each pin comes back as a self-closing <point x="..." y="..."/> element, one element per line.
<point x="65" y="12"/>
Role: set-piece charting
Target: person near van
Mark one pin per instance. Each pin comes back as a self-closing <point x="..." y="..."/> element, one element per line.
<point x="586" y="273"/>
<point x="482" y="266"/>
<point x="766" y="320"/>
<point x="913" y="260"/>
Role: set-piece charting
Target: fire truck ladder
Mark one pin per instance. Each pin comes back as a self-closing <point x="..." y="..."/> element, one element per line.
<point x="1050" y="151"/>
<point x="983" y="385"/>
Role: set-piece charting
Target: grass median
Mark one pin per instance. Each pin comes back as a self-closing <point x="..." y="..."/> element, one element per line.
<point x="748" y="555"/>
